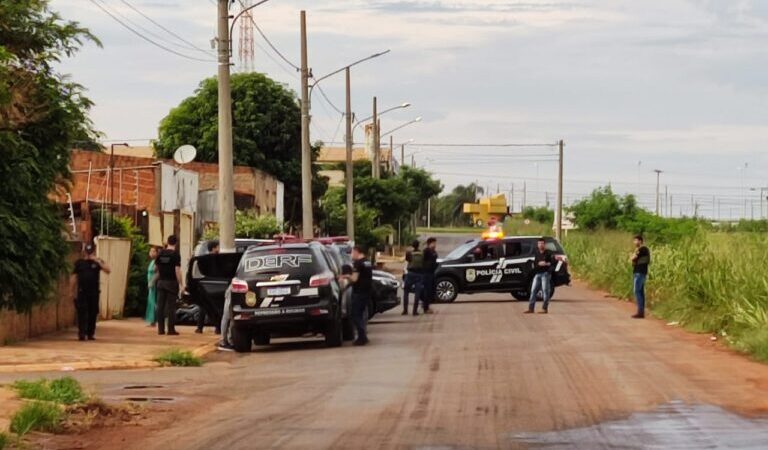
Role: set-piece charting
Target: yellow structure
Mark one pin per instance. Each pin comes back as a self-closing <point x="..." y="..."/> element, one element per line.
<point x="481" y="212"/>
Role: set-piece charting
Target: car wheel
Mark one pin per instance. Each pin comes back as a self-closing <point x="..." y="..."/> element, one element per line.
<point x="446" y="290"/>
<point x="333" y="334"/>
<point x="261" y="339"/>
<point x="521" y="295"/>
<point x="241" y="340"/>
<point x="347" y="329"/>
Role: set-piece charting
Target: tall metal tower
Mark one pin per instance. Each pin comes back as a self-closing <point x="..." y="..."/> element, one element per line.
<point x="246" y="49"/>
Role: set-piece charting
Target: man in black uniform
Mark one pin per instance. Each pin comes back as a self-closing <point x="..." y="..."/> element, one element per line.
<point x="361" y="279"/>
<point x="169" y="283"/>
<point x="85" y="280"/>
<point x="428" y="277"/>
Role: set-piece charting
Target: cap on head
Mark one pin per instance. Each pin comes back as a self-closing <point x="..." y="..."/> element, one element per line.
<point x="90" y="249"/>
<point x="172" y="240"/>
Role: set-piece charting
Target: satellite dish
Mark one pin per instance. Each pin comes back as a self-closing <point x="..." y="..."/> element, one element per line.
<point x="185" y="154"/>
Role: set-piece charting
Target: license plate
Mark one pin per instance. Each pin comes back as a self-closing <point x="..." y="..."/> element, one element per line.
<point x="277" y="291"/>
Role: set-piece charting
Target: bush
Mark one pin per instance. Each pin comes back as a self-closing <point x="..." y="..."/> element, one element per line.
<point x="248" y="224"/>
<point x="180" y="358"/>
<point x="37" y="416"/>
<point x="541" y="214"/>
<point x="64" y="390"/>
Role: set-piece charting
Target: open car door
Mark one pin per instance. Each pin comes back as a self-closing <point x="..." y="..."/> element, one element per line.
<point x="208" y="278"/>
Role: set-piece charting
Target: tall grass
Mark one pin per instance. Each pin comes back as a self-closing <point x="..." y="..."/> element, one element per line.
<point x="65" y="390"/>
<point x="707" y="281"/>
<point x="37" y="416"/>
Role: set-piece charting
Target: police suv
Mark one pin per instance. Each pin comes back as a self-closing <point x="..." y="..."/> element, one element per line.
<point x="503" y="264"/>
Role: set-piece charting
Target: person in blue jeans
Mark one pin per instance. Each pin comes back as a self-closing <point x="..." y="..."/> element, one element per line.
<point x="414" y="278"/>
<point x="641" y="258"/>
<point x="543" y="261"/>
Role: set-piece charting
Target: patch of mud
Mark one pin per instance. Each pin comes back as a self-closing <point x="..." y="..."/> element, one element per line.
<point x="97" y="414"/>
<point x="675" y="425"/>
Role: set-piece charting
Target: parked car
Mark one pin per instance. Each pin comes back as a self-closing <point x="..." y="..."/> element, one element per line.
<point x="287" y="290"/>
<point x="384" y="293"/>
<point x="496" y="265"/>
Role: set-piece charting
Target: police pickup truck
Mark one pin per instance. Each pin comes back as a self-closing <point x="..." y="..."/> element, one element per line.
<point x="496" y="265"/>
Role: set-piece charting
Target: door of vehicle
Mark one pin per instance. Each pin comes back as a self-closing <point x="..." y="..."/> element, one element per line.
<point x="516" y="266"/>
<point x="483" y="273"/>
<point x="208" y="278"/>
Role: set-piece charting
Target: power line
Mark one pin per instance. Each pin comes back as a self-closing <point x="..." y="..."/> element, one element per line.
<point x="322" y="92"/>
<point x="158" y="45"/>
<point x="191" y="45"/>
<point x="487" y="145"/>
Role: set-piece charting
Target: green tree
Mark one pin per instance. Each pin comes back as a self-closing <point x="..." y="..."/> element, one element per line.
<point x="448" y="210"/>
<point x="266" y="127"/>
<point x="42" y="115"/>
<point x="541" y="214"/>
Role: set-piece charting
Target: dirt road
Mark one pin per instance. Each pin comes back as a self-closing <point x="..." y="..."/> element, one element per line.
<point x="478" y="374"/>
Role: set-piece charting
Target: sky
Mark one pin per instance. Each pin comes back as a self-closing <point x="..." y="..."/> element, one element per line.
<point x="630" y="87"/>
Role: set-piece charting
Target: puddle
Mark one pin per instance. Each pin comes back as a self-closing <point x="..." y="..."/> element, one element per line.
<point x="675" y="425"/>
<point x="150" y="399"/>
<point x="142" y="386"/>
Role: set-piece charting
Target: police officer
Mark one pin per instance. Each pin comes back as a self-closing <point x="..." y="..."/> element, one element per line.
<point x="169" y="284"/>
<point x="414" y="278"/>
<point x="428" y="277"/>
<point x="361" y="279"/>
<point x="85" y="281"/>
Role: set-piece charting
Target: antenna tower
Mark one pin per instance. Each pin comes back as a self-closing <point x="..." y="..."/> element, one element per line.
<point x="245" y="50"/>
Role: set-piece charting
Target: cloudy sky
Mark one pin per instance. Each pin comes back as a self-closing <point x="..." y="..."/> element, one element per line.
<point x="630" y="86"/>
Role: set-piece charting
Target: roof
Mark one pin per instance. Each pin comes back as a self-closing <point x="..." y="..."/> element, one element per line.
<point x="339" y="154"/>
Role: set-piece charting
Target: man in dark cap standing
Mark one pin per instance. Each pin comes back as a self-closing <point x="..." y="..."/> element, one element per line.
<point x="169" y="284"/>
<point x="85" y="282"/>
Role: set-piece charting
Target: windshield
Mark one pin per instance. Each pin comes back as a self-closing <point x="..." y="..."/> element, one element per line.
<point x="461" y="250"/>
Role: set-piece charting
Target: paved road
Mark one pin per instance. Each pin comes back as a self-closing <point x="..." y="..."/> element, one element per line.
<point x="478" y="374"/>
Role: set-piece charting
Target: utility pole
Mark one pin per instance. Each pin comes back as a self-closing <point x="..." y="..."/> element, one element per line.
<point x="658" y="175"/>
<point x="512" y="198"/>
<point x="559" y="213"/>
<point x="413" y="160"/>
<point x="226" y="194"/>
<point x="375" y="133"/>
<point x="429" y="212"/>
<point x="666" y="198"/>
<point x="402" y="155"/>
<point x="522" y="206"/>
<point x="349" y="168"/>
<point x="306" y="150"/>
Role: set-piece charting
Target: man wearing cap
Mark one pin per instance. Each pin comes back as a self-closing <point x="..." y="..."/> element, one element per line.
<point x="169" y="284"/>
<point x="85" y="282"/>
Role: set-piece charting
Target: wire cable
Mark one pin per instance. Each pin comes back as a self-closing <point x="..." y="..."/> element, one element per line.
<point x="191" y="45"/>
<point x="322" y="92"/>
<point x="158" y="45"/>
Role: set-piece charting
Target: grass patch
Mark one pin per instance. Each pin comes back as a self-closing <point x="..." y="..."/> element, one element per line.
<point x="66" y="390"/>
<point x="3" y="440"/>
<point x="37" y="416"/>
<point x="179" y="358"/>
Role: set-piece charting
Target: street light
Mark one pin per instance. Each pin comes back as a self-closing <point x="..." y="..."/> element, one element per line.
<point x="401" y="106"/>
<point x="418" y="119"/>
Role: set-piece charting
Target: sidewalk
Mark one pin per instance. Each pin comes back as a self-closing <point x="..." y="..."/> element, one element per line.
<point x="119" y="344"/>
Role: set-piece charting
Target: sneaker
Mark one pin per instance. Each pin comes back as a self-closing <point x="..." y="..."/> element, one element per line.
<point x="161" y="333"/>
<point x="429" y="311"/>
<point x="225" y="347"/>
<point x="173" y="333"/>
<point x="543" y="311"/>
<point x="81" y="338"/>
<point x="415" y="313"/>
<point x="639" y="316"/>
<point x="199" y="331"/>
<point x="528" y="311"/>
<point x="360" y="343"/>
<point x="91" y="338"/>
<point x="405" y="313"/>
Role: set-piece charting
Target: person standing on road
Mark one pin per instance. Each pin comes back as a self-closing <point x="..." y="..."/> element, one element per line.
<point x="542" y="279"/>
<point x="430" y="267"/>
<point x="149" y="315"/>
<point x="213" y="249"/>
<point x="641" y="258"/>
<point x="361" y="279"/>
<point x="168" y="286"/>
<point x="414" y="278"/>
<point x="85" y="283"/>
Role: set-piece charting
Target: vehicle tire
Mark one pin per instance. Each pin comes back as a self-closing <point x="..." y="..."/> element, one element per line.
<point x="347" y="329"/>
<point x="333" y="334"/>
<point x="521" y="295"/>
<point x="446" y="290"/>
<point x="241" y="340"/>
<point x="261" y="339"/>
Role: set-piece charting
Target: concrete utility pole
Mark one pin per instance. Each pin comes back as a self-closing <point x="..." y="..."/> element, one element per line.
<point x="658" y="174"/>
<point x="375" y="133"/>
<point x="522" y="207"/>
<point x="307" y="226"/>
<point x="512" y="198"/>
<point x="402" y="155"/>
<point x="349" y="167"/>
<point x="226" y="194"/>
<point x="559" y="214"/>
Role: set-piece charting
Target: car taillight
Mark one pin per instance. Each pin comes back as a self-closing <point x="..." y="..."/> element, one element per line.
<point x="323" y="279"/>
<point x="239" y="286"/>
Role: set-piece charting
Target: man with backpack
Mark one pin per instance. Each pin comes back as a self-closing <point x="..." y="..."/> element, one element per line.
<point x="414" y="277"/>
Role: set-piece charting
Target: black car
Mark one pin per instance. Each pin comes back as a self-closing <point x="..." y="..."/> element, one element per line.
<point x="384" y="287"/>
<point x="287" y="290"/>
<point x="496" y="265"/>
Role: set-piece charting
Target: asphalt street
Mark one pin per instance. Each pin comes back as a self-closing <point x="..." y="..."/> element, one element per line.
<point x="477" y="374"/>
